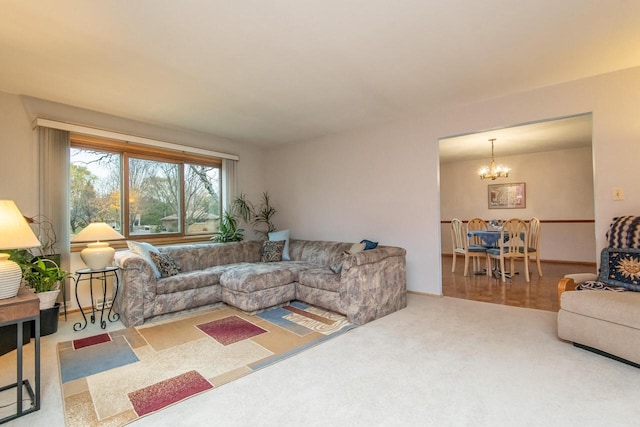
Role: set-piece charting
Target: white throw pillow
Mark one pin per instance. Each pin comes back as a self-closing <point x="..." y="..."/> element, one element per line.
<point x="143" y="249"/>
<point x="357" y="247"/>
<point x="282" y="235"/>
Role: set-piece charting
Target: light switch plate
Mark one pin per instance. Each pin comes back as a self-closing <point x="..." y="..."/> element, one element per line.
<point x="618" y="193"/>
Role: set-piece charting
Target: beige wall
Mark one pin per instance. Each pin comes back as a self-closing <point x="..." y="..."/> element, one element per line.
<point x="383" y="183"/>
<point x="18" y="171"/>
<point x="18" y="163"/>
<point x="378" y="183"/>
<point x="559" y="186"/>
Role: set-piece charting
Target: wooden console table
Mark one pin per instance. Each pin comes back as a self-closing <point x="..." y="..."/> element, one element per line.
<point x="19" y="310"/>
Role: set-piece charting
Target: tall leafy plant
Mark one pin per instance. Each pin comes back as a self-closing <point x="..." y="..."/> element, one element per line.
<point x="259" y="216"/>
<point x="228" y="230"/>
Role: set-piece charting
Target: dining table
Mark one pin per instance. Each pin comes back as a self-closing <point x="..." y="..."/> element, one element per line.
<point x="490" y="239"/>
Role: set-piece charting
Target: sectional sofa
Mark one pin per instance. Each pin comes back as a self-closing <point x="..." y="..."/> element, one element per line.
<point x="363" y="286"/>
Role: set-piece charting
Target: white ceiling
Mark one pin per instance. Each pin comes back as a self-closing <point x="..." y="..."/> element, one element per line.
<point x="552" y="135"/>
<point x="280" y="71"/>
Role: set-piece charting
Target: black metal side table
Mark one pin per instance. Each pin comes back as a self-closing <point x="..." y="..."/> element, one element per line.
<point x="86" y="274"/>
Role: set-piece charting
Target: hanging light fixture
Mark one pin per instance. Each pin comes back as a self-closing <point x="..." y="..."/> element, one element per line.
<point x="494" y="171"/>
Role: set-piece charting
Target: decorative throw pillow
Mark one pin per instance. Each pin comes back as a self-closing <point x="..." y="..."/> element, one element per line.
<point x="272" y="250"/>
<point x="368" y="244"/>
<point x="166" y="265"/>
<point x="620" y="267"/>
<point x="357" y="247"/>
<point x="282" y="235"/>
<point x="624" y="232"/>
<point x="144" y="249"/>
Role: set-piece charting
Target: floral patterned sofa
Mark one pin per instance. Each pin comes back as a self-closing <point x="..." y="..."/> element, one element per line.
<point x="363" y="286"/>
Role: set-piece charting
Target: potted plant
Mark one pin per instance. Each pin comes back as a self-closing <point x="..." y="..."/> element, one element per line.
<point x="228" y="230"/>
<point x="260" y="217"/>
<point x="44" y="277"/>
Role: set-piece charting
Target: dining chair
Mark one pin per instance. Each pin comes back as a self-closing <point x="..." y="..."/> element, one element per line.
<point x="512" y="246"/>
<point x="476" y="224"/>
<point x="534" y="242"/>
<point x="462" y="247"/>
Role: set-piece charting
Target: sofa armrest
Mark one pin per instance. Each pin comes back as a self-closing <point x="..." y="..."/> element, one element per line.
<point x="570" y="281"/>
<point x="137" y="285"/>
<point x="373" y="284"/>
<point x="565" y="284"/>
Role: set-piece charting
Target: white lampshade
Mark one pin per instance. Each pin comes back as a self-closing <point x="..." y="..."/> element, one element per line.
<point x="15" y="233"/>
<point x="97" y="255"/>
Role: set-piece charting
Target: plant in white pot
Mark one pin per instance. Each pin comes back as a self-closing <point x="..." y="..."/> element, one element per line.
<point x="45" y="279"/>
<point x="42" y="275"/>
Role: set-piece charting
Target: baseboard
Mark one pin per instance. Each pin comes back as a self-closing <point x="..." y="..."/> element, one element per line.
<point x="605" y="354"/>
<point x="424" y="294"/>
<point x="549" y="261"/>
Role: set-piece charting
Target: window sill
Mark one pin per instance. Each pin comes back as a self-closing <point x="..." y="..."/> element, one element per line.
<point x="156" y="241"/>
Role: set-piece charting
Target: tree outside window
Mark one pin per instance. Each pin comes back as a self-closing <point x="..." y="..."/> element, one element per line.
<point x="164" y="196"/>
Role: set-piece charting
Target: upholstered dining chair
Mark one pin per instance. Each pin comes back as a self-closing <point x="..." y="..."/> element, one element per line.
<point x="462" y="247"/>
<point x="534" y="242"/>
<point x="512" y="246"/>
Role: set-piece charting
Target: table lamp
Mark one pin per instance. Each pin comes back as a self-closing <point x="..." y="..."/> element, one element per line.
<point x="15" y="233"/>
<point x="97" y="255"/>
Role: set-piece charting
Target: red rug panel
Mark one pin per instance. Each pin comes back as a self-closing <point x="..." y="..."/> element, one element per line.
<point x="230" y="330"/>
<point x="168" y="392"/>
<point x="86" y="342"/>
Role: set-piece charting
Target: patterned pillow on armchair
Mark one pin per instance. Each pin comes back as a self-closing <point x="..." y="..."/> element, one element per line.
<point x="620" y="267"/>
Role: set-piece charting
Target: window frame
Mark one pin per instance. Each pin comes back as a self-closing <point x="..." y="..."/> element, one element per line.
<point x="127" y="150"/>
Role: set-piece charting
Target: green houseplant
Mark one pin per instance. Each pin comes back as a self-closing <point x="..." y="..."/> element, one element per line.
<point x="228" y="230"/>
<point x="259" y="216"/>
<point x="42" y="275"/>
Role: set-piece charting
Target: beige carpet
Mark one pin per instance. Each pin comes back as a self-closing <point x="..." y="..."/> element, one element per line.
<point x="439" y="362"/>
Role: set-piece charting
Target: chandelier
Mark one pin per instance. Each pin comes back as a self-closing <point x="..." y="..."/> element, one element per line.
<point x="494" y="171"/>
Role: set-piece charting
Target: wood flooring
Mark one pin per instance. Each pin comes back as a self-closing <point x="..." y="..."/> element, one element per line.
<point x="540" y="292"/>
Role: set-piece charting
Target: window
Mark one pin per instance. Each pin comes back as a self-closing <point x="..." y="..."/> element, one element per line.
<point x="141" y="191"/>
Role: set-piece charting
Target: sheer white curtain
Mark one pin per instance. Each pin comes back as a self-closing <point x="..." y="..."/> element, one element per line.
<point x="53" y="150"/>
<point x="229" y="182"/>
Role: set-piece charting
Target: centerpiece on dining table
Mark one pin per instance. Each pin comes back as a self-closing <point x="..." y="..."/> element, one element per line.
<point x="496" y="224"/>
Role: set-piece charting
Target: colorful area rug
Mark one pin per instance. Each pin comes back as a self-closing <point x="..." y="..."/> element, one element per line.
<point x="117" y="377"/>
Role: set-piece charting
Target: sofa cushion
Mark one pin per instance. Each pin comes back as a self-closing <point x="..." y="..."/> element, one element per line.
<point x="297" y="267"/>
<point x="250" y="277"/>
<point x="190" y="280"/>
<point x="318" y="252"/>
<point x="615" y="307"/>
<point x="199" y="256"/>
<point x="620" y="267"/>
<point x="320" y="278"/>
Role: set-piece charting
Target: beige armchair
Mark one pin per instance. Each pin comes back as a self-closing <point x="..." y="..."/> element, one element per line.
<point x="604" y="317"/>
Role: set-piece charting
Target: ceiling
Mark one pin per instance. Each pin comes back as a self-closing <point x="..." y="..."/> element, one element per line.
<point x="280" y="71"/>
<point x="551" y="135"/>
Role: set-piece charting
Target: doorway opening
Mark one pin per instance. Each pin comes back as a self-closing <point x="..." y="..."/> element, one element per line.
<point x="553" y="158"/>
